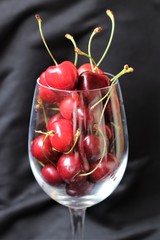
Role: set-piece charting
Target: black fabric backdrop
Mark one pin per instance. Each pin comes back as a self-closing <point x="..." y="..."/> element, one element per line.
<point x="133" y="210"/>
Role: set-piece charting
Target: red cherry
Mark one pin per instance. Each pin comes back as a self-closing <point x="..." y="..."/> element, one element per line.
<point x="41" y="149"/>
<point x="91" y="147"/>
<point x="62" y="137"/>
<point x="54" y="118"/>
<point x="72" y="107"/>
<point x="68" y="105"/>
<point x="87" y="67"/>
<point x="69" y="165"/>
<point x="106" y="167"/>
<point x="63" y="76"/>
<point x="51" y="175"/>
<point x="47" y="95"/>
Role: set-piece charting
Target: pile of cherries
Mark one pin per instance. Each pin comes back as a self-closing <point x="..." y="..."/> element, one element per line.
<point x="71" y="146"/>
<point x="70" y="152"/>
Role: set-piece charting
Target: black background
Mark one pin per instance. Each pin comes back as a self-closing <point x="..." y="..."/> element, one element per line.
<point x="133" y="210"/>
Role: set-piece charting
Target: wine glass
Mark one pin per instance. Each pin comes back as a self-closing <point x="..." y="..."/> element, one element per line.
<point x="78" y="146"/>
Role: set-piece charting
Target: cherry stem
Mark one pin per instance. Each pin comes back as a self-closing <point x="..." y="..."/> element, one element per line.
<point x="104" y="107"/>
<point x="54" y="109"/>
<point x="40" y="132"/>
<point x="79" y="52"/>
<point x="125" y="70"/>
<point x="70" y="37"/>
<point x="95" y="31"/>
<point x="103" y="154"/>
<point x="111" y="16"/>
<point x="42" y="164"/>
<point x="43" y="39"/>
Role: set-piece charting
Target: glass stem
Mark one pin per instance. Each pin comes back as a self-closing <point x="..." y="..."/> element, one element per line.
<point x="77" y="222"/>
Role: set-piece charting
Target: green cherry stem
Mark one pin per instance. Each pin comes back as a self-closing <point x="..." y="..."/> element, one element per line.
<point x="125" y="70"/>
<point x="40" y="132"/>
<point x="53" y="109"/>
<point x="95" y="31"/>
<point x="70" y="37"/>
<point x="42" y="164"/>
<point x="79" y="52"/>
<point x="43" y="39"/>
<point x="111" y="16"/>
<point x="104" y="107"/>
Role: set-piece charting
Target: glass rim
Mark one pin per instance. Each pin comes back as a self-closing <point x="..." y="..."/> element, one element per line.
<point x="77" y="90"/>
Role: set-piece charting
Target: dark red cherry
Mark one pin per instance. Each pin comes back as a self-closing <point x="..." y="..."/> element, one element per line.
<point x="106" y="167"/>
<point x="47" y="95"/>
<point x="63" y="76"/>
<point x="79" y="189"/>
<point x="69" y="166"/>
<point x="51" y="175"/>
<point x="91" y="80"/>
<point x="78" y="178"/>
<point x="62" y="137"/>
<point x="41" y="149"/>
<point x="84" y="117"/>
<point x="91" y="147"/>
